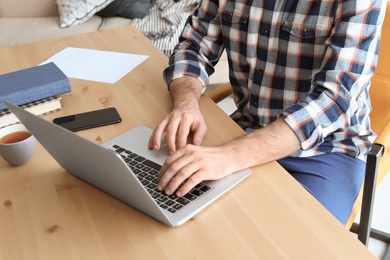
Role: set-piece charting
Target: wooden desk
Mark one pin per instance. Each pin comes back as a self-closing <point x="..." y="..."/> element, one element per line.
<point x="46" y="213"/>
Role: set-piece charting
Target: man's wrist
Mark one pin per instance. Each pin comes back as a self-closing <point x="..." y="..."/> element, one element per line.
<point x="185" y="92"/>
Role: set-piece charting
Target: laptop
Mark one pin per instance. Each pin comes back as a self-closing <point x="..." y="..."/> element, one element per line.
<point x="125" y="168"/>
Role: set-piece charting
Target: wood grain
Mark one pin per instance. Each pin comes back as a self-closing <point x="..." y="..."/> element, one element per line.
<point x="46" y="213"/>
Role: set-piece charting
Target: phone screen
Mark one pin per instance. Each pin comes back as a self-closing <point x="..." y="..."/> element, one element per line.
<point x="90" y="119"/>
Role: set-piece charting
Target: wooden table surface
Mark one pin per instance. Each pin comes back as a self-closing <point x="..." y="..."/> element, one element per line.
<point x="46" y="213"/>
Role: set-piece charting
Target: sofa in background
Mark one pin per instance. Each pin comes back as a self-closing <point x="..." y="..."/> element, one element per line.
<point x="27" y="21"/>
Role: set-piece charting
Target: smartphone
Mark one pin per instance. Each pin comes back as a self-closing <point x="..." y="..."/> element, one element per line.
<point x="89" y="120"/>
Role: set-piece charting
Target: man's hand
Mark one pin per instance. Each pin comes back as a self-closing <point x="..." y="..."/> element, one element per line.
<point x="194" y="164"/>
<point x="178" y="125"/>
<point x="185" y="118"/>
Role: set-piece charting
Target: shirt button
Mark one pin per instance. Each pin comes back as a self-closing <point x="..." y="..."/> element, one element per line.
<point x="265" y="33"/>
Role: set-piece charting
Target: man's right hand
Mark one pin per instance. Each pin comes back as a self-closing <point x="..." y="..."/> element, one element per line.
<point x="185" y="118"/>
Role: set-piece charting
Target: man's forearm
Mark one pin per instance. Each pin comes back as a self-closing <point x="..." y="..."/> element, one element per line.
<point x="267" y="144"/>
<point x="185" y="92"/>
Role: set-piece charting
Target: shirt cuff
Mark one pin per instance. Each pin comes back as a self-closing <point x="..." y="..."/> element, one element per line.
<point x="176" y="72"/>
<point x="308" y="130"/>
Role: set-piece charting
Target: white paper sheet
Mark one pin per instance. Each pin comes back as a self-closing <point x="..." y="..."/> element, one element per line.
<point x="95" y="65"/>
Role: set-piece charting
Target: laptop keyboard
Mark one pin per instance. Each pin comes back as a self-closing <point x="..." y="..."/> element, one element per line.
<point x="147" y="171"/>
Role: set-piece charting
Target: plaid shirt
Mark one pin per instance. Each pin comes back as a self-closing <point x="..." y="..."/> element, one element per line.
<point x="308" y="61"/>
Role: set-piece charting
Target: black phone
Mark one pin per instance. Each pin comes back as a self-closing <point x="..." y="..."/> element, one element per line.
<point x="89" y="119"/>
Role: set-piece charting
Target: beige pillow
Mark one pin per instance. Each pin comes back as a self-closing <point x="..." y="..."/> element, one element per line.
<point x="74" y="12"/>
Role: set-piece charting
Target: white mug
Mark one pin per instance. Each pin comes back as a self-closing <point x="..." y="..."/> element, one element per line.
<point x="17" y="145"/>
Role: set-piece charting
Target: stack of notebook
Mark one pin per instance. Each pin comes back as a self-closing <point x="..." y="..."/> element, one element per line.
<point x="36" y="89"/>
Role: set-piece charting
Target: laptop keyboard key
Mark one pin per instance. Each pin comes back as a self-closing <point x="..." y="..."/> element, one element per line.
<point x="177" y="206"/>
<point x="139" y="159"/>
<point x="190" y="196"/>
<point x="183" y="201"/>
<point x="197" y="192"/>
<point x="153" y="165"/>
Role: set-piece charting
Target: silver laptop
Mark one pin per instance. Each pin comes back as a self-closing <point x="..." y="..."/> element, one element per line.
<point x="125" y="168"/>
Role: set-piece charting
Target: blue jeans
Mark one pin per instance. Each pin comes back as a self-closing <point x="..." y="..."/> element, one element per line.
<point x="333" y="179"/>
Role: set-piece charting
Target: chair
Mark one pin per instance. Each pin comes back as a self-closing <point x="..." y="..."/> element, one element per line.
<point x="378" y="160"/>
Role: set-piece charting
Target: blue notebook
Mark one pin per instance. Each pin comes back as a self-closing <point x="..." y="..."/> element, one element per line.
<point x="32" y="84"/>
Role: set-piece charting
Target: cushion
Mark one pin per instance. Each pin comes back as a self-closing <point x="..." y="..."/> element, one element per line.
<point x="127" y="8"/>
<point x="74" y="12"/>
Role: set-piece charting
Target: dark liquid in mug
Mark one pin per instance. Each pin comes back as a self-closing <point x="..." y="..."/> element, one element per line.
<point x="14" y="137"/>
